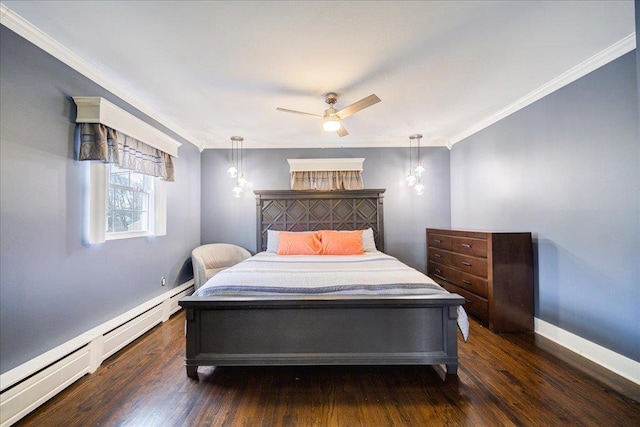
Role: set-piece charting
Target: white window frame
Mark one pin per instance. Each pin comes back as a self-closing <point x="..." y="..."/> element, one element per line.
<point x="97" y="208"/>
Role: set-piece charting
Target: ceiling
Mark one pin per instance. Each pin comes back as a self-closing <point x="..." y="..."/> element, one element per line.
<point x="210" y="70"/>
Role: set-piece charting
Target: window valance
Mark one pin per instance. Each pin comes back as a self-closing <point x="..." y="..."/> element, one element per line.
<point x="111" y="135"/>
<point x="99" y="142"/>
<point x="95" y="109"/>
<point x="327" y="180"/>
<point x="326" y="174"/>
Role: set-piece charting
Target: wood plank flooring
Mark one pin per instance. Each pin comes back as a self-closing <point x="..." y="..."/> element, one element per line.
<point x="508" y="379"/>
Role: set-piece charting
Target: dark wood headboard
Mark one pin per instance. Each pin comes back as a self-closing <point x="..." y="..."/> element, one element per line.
<point x="295" y="210"/>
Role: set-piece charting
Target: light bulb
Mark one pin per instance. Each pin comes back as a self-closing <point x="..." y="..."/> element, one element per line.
<point x="419" y="170"/>
<point x="419" y="188"/>
<point x="331" y="124"/>
<point x="237" y="190"/>
<point x="242" y="181"/>
<point x="232" y="171"/>
<point x="411" y="180"/>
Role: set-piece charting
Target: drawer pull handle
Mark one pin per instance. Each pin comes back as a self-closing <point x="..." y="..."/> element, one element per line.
<point x="466" y="282"/>
<point x="465" y="245"/>
<point x="437" y="255"/>
<point x="438" y="271"/>
<point x="468" y="264"/>
<point x="437" y="240"/>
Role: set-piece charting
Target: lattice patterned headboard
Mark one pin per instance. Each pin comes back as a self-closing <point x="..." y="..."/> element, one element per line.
<point x="288" y="210"/>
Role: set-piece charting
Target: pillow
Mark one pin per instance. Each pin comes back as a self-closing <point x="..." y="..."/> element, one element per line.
<point x="368" y="242"/>
<point x="341" y="242"/>
<point x="290" y="243"/>
<point x="272" y="241"/>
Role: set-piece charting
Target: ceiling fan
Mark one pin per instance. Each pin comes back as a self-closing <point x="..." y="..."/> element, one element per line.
<point x="332" y="119"/>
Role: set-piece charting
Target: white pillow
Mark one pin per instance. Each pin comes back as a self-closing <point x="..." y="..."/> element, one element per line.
<point x="272" y="241"/>
<point x="368" y="242"/>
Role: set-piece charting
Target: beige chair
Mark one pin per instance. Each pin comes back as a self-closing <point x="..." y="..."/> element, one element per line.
<point x="213" y="258"/>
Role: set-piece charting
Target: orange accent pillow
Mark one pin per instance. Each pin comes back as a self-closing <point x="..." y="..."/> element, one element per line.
<point x="341" y="242"/>
<point x="291" y="243"/>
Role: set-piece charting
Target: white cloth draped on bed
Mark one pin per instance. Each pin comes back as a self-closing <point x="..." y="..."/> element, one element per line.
<point x="369" y="274"/>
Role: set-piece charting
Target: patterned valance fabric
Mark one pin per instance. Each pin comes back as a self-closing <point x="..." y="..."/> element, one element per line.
<point x="327" y="180"/>
<point x="99" y="142"/>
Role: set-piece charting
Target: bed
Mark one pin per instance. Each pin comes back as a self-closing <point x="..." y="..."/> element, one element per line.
<point x="321" y="309"/>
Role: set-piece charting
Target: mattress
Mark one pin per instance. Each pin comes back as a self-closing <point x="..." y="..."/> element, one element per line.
<point x="374" y="273"/>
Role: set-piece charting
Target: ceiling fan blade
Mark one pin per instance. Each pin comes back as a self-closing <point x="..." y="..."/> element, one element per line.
<point x="297" y="112"/>
<point x="357" y="106"/>
<point x="342" y="132"/>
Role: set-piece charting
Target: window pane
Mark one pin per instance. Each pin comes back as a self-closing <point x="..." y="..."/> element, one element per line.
<point x="140" y="201"/>
<point x="119" y="176"/>
<point x="121" y="221"/>
<point x="123" y="199"/>
<point x="128" y="201"/>
<point x="140" y="222"/>
<point x="137" y="180"/>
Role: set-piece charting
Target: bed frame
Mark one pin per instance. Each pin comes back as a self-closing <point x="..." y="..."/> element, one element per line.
<point x="321" y="330"/>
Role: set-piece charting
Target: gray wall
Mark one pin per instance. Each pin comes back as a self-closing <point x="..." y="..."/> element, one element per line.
<point x="567" y="169"/>
<point x="637" y="8"/>
<point x="226" y="219"/>
<point x="52" y="287"/>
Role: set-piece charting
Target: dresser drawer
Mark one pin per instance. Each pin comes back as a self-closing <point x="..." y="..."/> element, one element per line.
<point x="443" y="272"/>
<point x="439" y="241"/>
<point x="469" y="264"/>
<point x="475" y="284"/>
<point x="439" y="256"/>
<point x="473" y="303"/>
<point x="469" y="246"/>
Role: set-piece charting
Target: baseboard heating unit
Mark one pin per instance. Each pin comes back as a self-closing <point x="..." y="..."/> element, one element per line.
<point x="29" y="385"/>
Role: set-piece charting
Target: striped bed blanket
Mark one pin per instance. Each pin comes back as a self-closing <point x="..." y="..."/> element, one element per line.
<point x="374" y="273"/>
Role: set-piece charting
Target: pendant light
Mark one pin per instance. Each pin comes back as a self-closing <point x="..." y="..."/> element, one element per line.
<point x="411" y="178"/>
<point x="414" y="178"/>
<point x="235" y="170"/>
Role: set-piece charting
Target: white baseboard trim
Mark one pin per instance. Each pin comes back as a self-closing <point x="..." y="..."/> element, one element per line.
<point x="615" y="362"/>
<point x="29" y="385"/>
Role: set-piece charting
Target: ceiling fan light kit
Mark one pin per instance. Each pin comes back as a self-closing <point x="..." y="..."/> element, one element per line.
<point x="332" y="119"/>
<point x="331" y="124"/>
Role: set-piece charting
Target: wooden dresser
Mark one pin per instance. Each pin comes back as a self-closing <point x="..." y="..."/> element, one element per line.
<point x="492" y="271"/>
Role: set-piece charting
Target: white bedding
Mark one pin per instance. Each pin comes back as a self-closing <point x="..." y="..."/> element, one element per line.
<point x="373" y="273"/>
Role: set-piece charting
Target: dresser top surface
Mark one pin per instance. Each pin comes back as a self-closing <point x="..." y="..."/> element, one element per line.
<point x="480" y="234"/>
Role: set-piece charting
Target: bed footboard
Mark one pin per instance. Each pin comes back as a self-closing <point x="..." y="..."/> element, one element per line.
<point x="341" y="330"/>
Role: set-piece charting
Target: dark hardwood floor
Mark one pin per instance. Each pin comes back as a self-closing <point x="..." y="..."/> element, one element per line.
<point x="506" y="379"/>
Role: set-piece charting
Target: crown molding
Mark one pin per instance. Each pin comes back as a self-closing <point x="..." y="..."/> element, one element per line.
<point x="609" y="54"/>
<point x="31" y="33"/>
<point x="22" y="27"/>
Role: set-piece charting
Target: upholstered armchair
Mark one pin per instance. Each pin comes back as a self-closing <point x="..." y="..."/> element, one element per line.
<point x="213" y="258"/>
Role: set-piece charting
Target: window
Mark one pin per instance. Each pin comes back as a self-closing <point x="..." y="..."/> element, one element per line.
<point x="124" y="204"/>
<point x="129" y="201"/>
